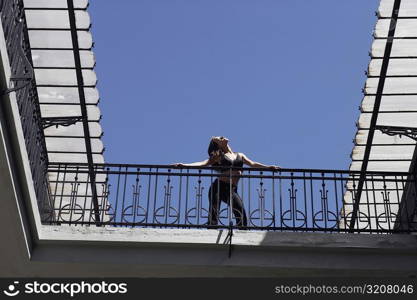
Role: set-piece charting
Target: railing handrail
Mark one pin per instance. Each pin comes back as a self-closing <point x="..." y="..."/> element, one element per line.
<point x="263" y="176"/>
<point x="281" y="170"/>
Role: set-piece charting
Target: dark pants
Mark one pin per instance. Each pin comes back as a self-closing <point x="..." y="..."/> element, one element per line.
<point x="220" y="191"/>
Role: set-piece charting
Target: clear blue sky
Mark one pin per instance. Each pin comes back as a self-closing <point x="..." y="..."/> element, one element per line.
<point x="281" y="79"/>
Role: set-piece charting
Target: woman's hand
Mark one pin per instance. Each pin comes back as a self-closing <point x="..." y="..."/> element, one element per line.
<point x="274" y="168"/>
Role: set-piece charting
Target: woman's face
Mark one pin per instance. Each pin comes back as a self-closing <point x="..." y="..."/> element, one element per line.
<point x="221" y="141"/>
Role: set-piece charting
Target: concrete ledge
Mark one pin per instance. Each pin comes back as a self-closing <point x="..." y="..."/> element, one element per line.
<point x="130" y="251"/>
<point x="169" y="237"/>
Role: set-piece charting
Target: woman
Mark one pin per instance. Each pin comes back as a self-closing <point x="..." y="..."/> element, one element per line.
<point x="221" y="154"/>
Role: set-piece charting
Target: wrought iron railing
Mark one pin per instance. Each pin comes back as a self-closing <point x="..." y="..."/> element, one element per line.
<point x="22" y="82"/>
<point x="166" y="196"/>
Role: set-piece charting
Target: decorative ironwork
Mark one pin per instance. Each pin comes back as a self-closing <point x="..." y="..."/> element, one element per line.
<point x="293" y="214"/>
<point x="261" y="214"/>
<point x="60" y="121"/>
<point x="398" y="130"/>
<point x="224" y="215"/>
<point x="197" y="211"/>
<point x="24" y="74"/>
<point x="72" y="208"/>
<point x="134" y="210"/>
<point x="362" y="221"/>
<point x="24" y="86"/>
<point x="324" y="215"/>
<point x="107" y="212"/>
<point x="388" y="217"/>
<point x="164" y="211"/>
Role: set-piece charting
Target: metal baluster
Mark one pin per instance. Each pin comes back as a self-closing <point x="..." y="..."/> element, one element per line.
<point x="337" y="201"/>
<point x="355" y="200"/>
<point x="85" y="202"/>
<point x="74" y="193"/>
<point x="312" y="200"/>
<point x="375" y="203"/>
<point x="305" y="198"/>
<point x="62" y="191"/>
<point x="367" y="204"/>
<point x="136" y="197"/>
<point x="154" y="198"/>
<point x="230" y="198"/>
<point x="387" y="207"/>
<point x="273" y="200"/>
<point x="117" y="196"/>
<point x="399" y="217"/>
<point x="56" y="189"/>
<point x="124" y="195"/>
<point x="343" y="184"/>
<point x="281" y="216"/>
<point x="148" y="198"/>
<point x="323" y="199"/>
<point x="199" y="194"/>
<point x="186" y="191"/>
<point x="179" y="198"/>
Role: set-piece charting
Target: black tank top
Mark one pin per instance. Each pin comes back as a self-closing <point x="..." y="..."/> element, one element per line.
<point x="227" y="162"/>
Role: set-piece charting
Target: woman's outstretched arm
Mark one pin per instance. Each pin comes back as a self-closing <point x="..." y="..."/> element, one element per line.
<point x="212" y="160"/>
<point x="194" y="164"/>
<point x="255" y="164"/>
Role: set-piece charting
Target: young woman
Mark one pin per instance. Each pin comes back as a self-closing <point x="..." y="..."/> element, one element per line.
<point x="221" y="154"/>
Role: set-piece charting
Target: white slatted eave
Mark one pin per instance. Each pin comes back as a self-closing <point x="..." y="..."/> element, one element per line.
<point x="51" y="29"/>
<point x="398" y="106"/>
<point x="399" y="99"/>
<point x="54" y="65"/>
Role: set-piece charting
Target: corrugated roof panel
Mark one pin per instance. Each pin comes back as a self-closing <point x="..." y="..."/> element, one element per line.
<point x="396" y="67"/>
<point x="75" y="130"/>
<point x="73" y="144"/>
<point x="400" y="48"/>
<point x="391" y="103"/>
<point x="56" y="19"/>
<point x="59" y="39"/>
<point x="78" y="4"/>
<point x="408" y="8"/>
<point x="389" y="166"/>
<point x="61" y="59"/>
<point x="64" y="77"/>
<point x="67" y="95"/>
<point x="392" y="85"/>
<point x="405" y="28"/>
<point x="404" y="119"/>
<point x="382" y="139"/>
<point x="59" y="110"/>
<point x="386" y="152"/>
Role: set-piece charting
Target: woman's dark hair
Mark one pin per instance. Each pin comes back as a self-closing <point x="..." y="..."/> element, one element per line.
<point x="213" y="146"/>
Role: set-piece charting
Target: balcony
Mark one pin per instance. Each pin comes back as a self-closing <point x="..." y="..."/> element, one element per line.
<point x="95" y="218"/>
<point x="163" y="196"/>
<point x="168" y="197"/>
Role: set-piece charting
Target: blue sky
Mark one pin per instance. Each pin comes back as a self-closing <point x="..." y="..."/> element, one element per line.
<point x="281" y="79"/>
